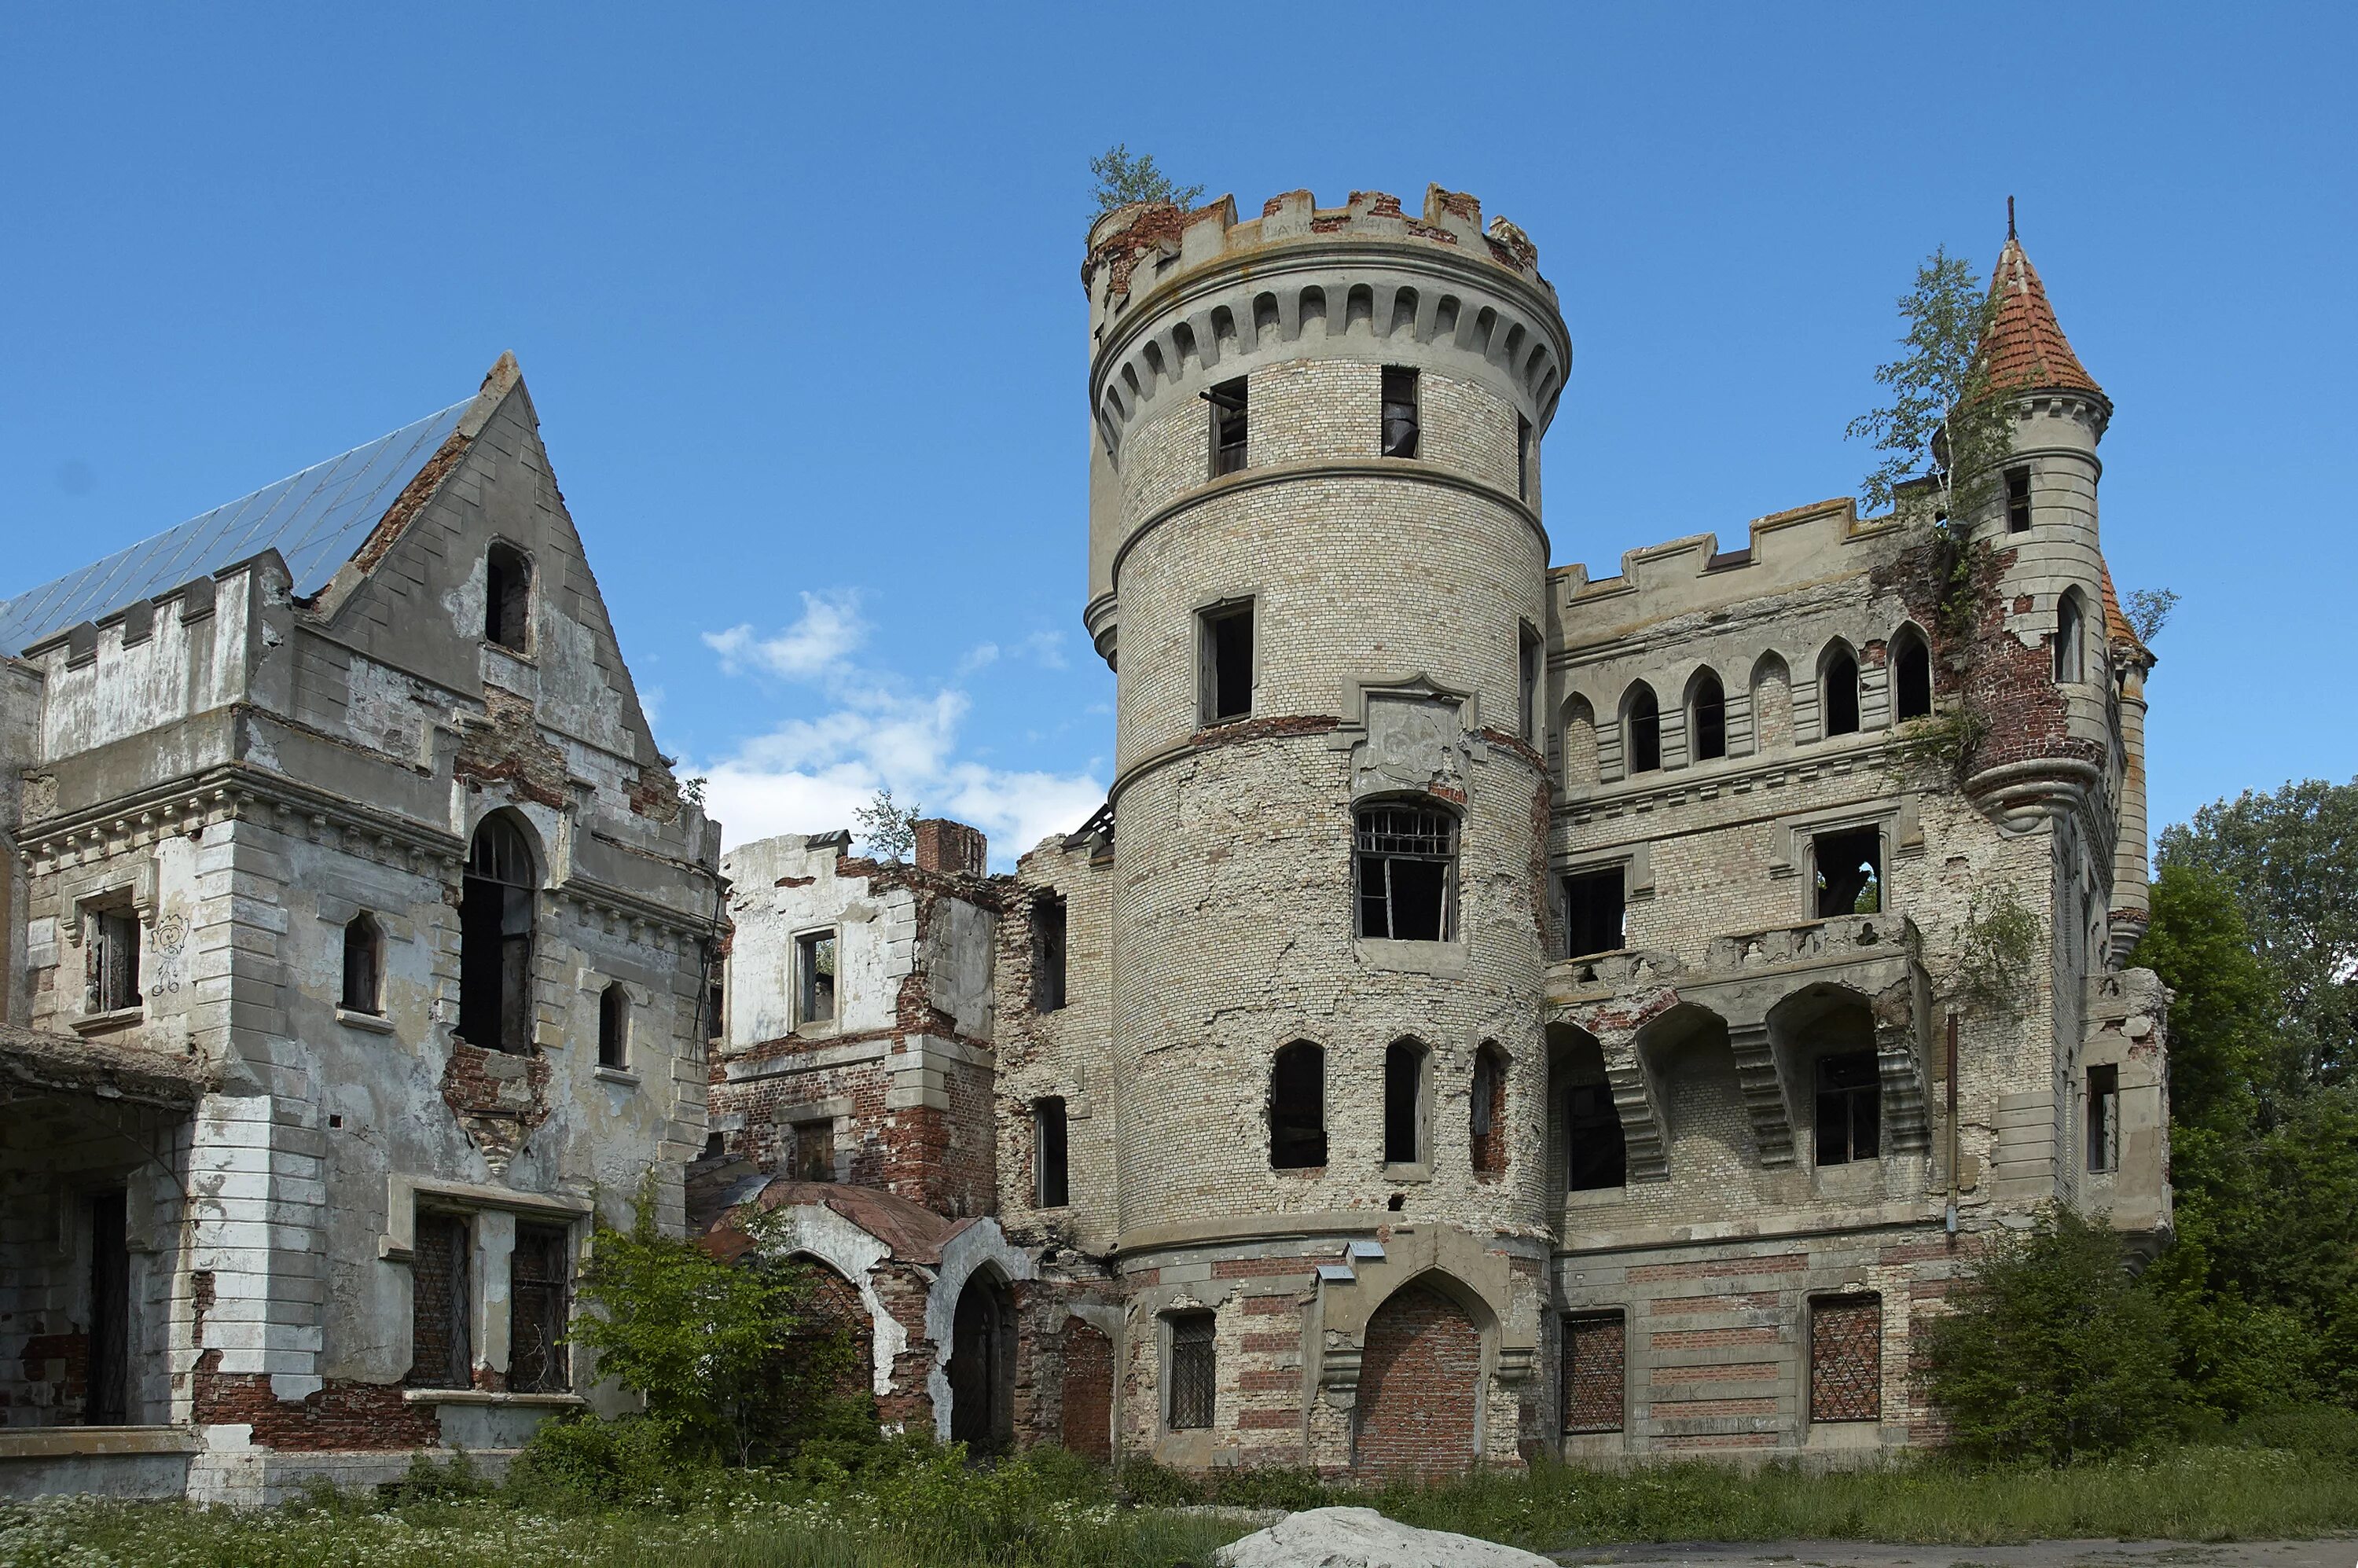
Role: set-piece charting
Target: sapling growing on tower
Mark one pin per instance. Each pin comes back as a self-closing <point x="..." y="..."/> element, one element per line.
<point x="1122" y="179"/>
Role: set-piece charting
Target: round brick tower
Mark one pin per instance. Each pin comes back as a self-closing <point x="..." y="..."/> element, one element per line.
<point x="1318" y="568"/>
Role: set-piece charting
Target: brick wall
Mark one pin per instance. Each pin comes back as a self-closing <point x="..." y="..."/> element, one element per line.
<point x="1419" y="1380"/>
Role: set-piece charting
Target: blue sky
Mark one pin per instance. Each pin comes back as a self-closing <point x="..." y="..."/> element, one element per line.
<point x="796" y="293"/>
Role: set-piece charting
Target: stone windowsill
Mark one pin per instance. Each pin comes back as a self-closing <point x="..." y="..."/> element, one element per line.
<point x="374" y="1022"/>
<point x="490" y="1397"/>
<point x="49" y="1442"/>
<point x="1447" y="958"/>
<point x="1400" y="1175"/>
<point x="621" y="1075"/>
<point x="102" y="1022"/>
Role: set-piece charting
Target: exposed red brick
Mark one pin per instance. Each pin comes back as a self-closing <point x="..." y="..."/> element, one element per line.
<point x="1721" y="1268"/>
<point x="1419" y="1376"/>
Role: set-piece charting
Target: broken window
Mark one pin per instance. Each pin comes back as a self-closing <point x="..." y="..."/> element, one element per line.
<point x="1911" y="675"/>
<point x="1403" y="1103"/>
<point x="1297" y="1107"/>
<point x="507" y="598"/>
<point x="2104" y="1118"/>
<point x="495" y="920"/>
<point x="614" y="1026"/>
<point x="540" y="1302"/>
<point x="440" y="1358"/>
<point x="1194" y="1370"/>
<point x="1227" y="655"/>
<point x="1707" y="719"/>
<point x="2068" y="618"/>
<point x="1841" y="693"/>
<point x="1594" y="1396"/>
<point x="815" y="977"/>
<point x="1407" y="865"/>
<point x="1597" y="1155"/>
<point x="1533" y="660"/>
<point x="1850" y="1108"/>
<point x="1399" y="411"/>
<point x="812" y="1158"/>
<point x="1849" y="872"/>
<point x="1047" y="953"/>
<point x="1642" y="726"/>
<point x="1228" y="401"/>
<point x="111" y="961"/>
<point x="1592" y="911"/>
<point x="2017" y="500"/>
<point x="1052" y="1189"/>
<point x="1846" y="1358"/>
<point x="363" y="965"/>
<point x="108" y="1399"/>
<point x="1524" y="454"/>
<point x="715" y="997"/>
<point x="1486" y="1126"/>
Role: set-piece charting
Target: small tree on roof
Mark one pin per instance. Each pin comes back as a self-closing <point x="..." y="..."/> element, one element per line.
<point x="1944" y="420"/>
<point x="1122" y="179"/>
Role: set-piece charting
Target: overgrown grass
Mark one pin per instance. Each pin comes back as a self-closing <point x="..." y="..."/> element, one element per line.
<point x="926" y="1508"/>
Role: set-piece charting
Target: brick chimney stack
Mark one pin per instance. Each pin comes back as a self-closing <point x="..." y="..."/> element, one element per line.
<point x="947" y="846"/>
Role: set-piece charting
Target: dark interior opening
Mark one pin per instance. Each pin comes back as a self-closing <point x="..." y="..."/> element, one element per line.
<point x="1911" y="677"/>
<point x="1404" y="1102"/>
<point x="1645" y="733"/>
<point x="1842" y="693"/>
<point x="1597" y="1156"/>
<point x="1850" y="1108"/>
<point x="2017" y="500"/>
<point x="1228" y="404"/>
<point x="1297" y="1107"/>
<point x="1399" y="411"/>
<point x="495" y="916"/>
<point x="1709" y="732"/>
<point x="1849" y="872"/>
<point x="1047" y="953"/>
<point x="108" y="1401"/>
<point x="1592" y="912"/>
<point x="1048" y="1152"/>
<point x="1228" y="661"/>
<point x="507" y="598"/>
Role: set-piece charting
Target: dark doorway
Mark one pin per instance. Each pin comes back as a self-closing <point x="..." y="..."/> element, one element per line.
<point x="108" y="1402"/>
<point x="495" y="913"/>
<point x="982" y="1368"/>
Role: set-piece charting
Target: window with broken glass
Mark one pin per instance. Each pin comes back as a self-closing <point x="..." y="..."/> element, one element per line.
<point x="1407" y="869"/>
<point x="439" y="1356"/>
<point x="1399" y="411"/>
<point x="111" y="961"/>
<point x="540" y="1301"/>
<point x="1192" y="1371"/>
<point x="1228" y="410"/>
<point x="496" y="906"/>
<point x="1850" y="1108"/>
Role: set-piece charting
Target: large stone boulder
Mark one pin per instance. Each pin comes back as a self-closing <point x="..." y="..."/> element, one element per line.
<point x="1362" y="1538"/>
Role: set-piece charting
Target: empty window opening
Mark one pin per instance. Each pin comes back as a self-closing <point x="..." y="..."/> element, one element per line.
<point x="1595" y="1388"/>
<point x="1228" y="663"/>
<point x="1845" y="1357"/>
<point x="1911" y="675"/>
<point x="2017" y="500"/>
<point x="1228" y="401"/>
<point x="1487" y="1120"/>
<point x="1597" y="1157"/>
<point x="1842" y="693"/>
<point x="1403" y="1103"/>
<point x="2104" y="1118"/>
<point x="614" y="1026"/>
<point x="1850" y="1108"/>
<point x="1194" y="1370"/>
<point x="1532" y="654"/>
<point x="2068" y="619"/>
<point x="812" y="1156"/>
<point x="363" y="966"/>
<point x="1297" y="1107"/>
<point x="1592" y="908"/>
<point x="439" y="1300"/>
<point x="111" y="961"/>
<point x="814" y="977"/>
<point x="1051" y="1188"/>
<point x="108" y="1401"/>
<point x="716" y="999"/>
<point x="715" y="1145"/>
<point x="540" y="1304"/>
<point x="507" y="598"/>
<point x="1643" y="728"/>
<point x="1707" y="719"/>
<point x="1849" y="872"/>
<point x="1047" y="953"/>
<point x="1524" y="455"/>
<point x="1399" y="411"/>
<point x="1407" y="866"/>
<point x="496" y="921"/>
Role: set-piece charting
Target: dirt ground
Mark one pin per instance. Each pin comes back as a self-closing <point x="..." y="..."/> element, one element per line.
<point x="2332" y="1553"/>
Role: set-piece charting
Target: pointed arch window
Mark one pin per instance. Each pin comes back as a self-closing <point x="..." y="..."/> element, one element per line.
<point x="614" y="1026"/>
<point x="1841" y="692"/>
<point x="364" y="988"/>
<point x="1911" y="675"/>
<point x="2069" y="619"/>
<point x="1486" y="1129"/>
<point x="1641" y="728"/>
<point x="1297" y="1107"/>
<point x="495" y="931"/>
<point x="1707" y="718"/>
<point x="508" y="598"/>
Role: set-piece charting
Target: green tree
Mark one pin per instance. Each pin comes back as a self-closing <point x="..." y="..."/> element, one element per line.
<point x="2050" y="1352"/>
<point x="889" y="831"/>
<point x="1122" y="179"/>
<point x="1942" y="421"/>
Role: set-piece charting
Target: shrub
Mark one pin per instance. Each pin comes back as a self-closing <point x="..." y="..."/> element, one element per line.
<point x="584" y="1461"/>
<point x="1152" y="1485"/>
<point x="2051" y="1353"/>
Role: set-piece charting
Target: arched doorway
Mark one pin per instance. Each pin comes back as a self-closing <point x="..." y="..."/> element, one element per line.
<point x="1419" y="1387"/>
<point x="836" y="1308"/>
<point x="982" y="1366"/>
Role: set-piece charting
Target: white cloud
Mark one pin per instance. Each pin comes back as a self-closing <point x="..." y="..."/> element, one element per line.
<point x="1046" y="649"/>
<point x="980" y="656"/>
<point x="830" y="630"/>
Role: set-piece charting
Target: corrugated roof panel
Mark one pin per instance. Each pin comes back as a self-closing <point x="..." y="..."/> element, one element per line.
<point x="316" y="519"/>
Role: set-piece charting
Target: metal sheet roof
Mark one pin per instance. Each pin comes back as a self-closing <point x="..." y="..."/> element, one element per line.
<point x="315" y="519"/>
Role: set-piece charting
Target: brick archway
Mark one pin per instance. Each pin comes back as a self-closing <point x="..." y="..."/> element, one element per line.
<point x="1419" y="1387"/>
<point x="835" y="1304"/>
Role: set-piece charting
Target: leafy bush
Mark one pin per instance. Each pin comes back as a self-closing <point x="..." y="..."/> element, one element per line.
<point x="583" y="1461"/>
<point x="2051" y="1353"/>
<point x="1153" y="1486"/>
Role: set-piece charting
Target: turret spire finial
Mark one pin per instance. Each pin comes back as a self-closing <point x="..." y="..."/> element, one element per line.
<point x="2009" y="217"/>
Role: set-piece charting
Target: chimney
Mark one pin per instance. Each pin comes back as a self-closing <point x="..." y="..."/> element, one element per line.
<point x="947" y="846"/>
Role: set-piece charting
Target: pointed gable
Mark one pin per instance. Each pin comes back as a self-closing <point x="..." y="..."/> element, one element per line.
<point x="2026" y="347"/>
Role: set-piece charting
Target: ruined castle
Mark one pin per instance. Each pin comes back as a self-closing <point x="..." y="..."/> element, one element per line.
<point x="1498" y="1011"/>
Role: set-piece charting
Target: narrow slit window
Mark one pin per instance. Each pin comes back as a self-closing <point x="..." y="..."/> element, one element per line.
<point x="2067" y="620"/>
<point x="1532" y="660"/>
<point x="363" y="966"/>
<point x="1597" y="1156"/>
<point x="2104" y="1118"/>
<point x="1403" y="1103"/>
<point x="1841" y="686"/>
<point x="1228" y="663"/>
<point x="1524" y="454"/>
<point x="1595" y="1388"/>
<point x="1194" y="1370"/>
<point x="1594" y="905"/>
<point x="1407" y="868"/>
<point x="1228" y="426"/>
<point x="614" y="1026"/>
<point x="1297" y="1107"/>
<point x="1911" y="676"/>
<point x="815" y="977"/>
<point x="2017" y="500"/>
<point x="111" y="961"/>
<point x="507" y="598"/>
<point x="1047" y="953"/>
<point x="1850" y="1108"/>
<point x="1487" y="1118"/>
<point x="1644" y="731"/>
<point x="1849" y="872"/>
<point x="1707" y="719"/>
<point x="1051" y="1188"/>
<point x="1399" y="411"/>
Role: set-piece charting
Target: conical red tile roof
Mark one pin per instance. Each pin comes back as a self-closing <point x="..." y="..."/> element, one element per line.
<point x="2026" y="348"/>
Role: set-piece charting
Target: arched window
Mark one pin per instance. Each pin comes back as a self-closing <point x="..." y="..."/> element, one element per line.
<point x="1911" y="675"/>
<point x="1707" y="718"/>
<point x="1297" y="1107"/>
<point x="614" y="1026"/>
<point x="1404" y="1097"/>
<point x="363" y="966"/>
<point x="1841" y="692"/>
<point x="1579" y="744"/>
<point x="508" y="598"/>
<point x="1641" y="729"/>
<point x="495" y="919"/>
<point x="1487" y="1128"/>
<point x="1407" y="869"/>
<point x="2068" y="666"/>
<point x="1772" y="705"/>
